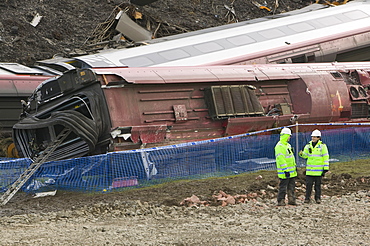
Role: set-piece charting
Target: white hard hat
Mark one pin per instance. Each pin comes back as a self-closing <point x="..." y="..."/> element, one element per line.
<point x="316" y="133"/>
<point x="286" y="131"/>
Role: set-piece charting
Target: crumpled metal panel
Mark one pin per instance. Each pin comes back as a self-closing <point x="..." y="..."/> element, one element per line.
<point x="148" y="134"/>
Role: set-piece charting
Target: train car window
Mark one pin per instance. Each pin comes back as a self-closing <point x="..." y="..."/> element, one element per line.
<point x="191" y="50"/>
<point x="2" y="71"/>
<point x="336" y="75"/>
<point x="225" y="44"/>
<point x="19" y="68"/>
<point x="139" y="61"/>
<point x="241" y="40"/>
<point x="301" y="27"/>
<point x="208" y="47"/>
<point x="329" y="21"/>
<point x="174" y="54"/>
<point x="310" y="58"/>
<point x="271" y="33"/>
<point x="49" y="90"/>
<point x="299" y="59"/>
<point x="356" y="15"/>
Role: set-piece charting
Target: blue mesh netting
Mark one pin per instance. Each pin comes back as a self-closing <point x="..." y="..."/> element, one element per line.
<point x="218" y="157"/>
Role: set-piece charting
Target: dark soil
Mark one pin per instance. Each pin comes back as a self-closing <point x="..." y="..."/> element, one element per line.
<point x="72" y="27"/>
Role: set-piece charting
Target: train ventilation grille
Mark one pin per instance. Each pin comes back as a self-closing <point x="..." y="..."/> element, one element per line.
<point x="359" y="110"/>
<point x="232" y="100"/>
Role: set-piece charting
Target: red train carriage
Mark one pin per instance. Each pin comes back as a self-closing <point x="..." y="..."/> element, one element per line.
<point x="126" y="108"/>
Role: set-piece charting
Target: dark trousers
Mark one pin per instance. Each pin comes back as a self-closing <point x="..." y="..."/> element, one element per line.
<point x="286" y="186"/>
<point x="316" y="182"/>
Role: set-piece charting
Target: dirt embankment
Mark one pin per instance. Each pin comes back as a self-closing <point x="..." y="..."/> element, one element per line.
<point x="66" y="27"/>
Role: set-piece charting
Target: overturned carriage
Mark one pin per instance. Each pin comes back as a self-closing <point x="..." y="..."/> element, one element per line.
<point x="110" y="109"/>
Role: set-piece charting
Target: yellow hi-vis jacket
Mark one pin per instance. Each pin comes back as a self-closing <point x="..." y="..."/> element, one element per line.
<point x="317" y="158"/>
<point x="285" y="161"/>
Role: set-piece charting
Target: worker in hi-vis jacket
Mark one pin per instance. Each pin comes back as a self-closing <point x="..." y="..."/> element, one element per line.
<point x="286" y="168"/>
<point x="317" y="155"/>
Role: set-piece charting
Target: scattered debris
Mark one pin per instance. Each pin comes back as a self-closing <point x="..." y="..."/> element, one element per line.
<point x="230" y="15"/>
<point x="103" y="31"/>
<point x="49" y="41"/>
<point x="331" y="3"/>
<point x="43" y="194"/>
<point x="36" y="20"/>
<point x="193" y="201"/>
<point x="343" y="181"/>
<point x="259" y="177"/>
<point x="269" y="187"/>
<point x="130" y="29"/>
<point x="263" y="6"/>
<point x="227" y="199"/>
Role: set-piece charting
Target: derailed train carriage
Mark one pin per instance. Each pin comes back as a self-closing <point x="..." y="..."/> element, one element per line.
<point x="316" y="33"/>
<point x="110" y="109"/>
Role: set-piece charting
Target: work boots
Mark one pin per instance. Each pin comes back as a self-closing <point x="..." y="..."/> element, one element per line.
<point x="291" y="198"/>
<point x="292" y="202"/>
<point x="281" y="203"/>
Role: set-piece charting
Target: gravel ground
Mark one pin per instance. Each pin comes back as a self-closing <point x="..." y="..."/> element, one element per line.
<point x="338" y="220"/>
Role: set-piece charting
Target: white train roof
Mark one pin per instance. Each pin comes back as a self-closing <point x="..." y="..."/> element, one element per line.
<point x="244" y="40"/>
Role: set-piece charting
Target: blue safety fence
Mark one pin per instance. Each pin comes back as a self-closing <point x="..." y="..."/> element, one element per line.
<point x="248" y="152"/>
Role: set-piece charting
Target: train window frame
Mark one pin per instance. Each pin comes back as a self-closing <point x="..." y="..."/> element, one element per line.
<point x="271" y="33"/>
<point x="355" y="15"/>
<point x="16" y="68"/>
<point x="208" y="47"/>
<point x="329" y="21"/>
<point x="336" y="75"/>
<point x="241" y="40"/>
<point x="174" y="54"/>
<point x="139" y="60"/>
<point x="301" y="27"/>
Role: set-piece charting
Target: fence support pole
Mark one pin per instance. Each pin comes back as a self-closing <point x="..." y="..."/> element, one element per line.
<point x="296" y="142"/>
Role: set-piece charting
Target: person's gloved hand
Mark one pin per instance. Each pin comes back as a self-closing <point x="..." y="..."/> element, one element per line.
<point x="324" y="172"/>
<point x="287" y="174"/>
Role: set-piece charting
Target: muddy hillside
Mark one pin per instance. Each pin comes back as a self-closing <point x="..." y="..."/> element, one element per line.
<point x="36" y="29"/>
